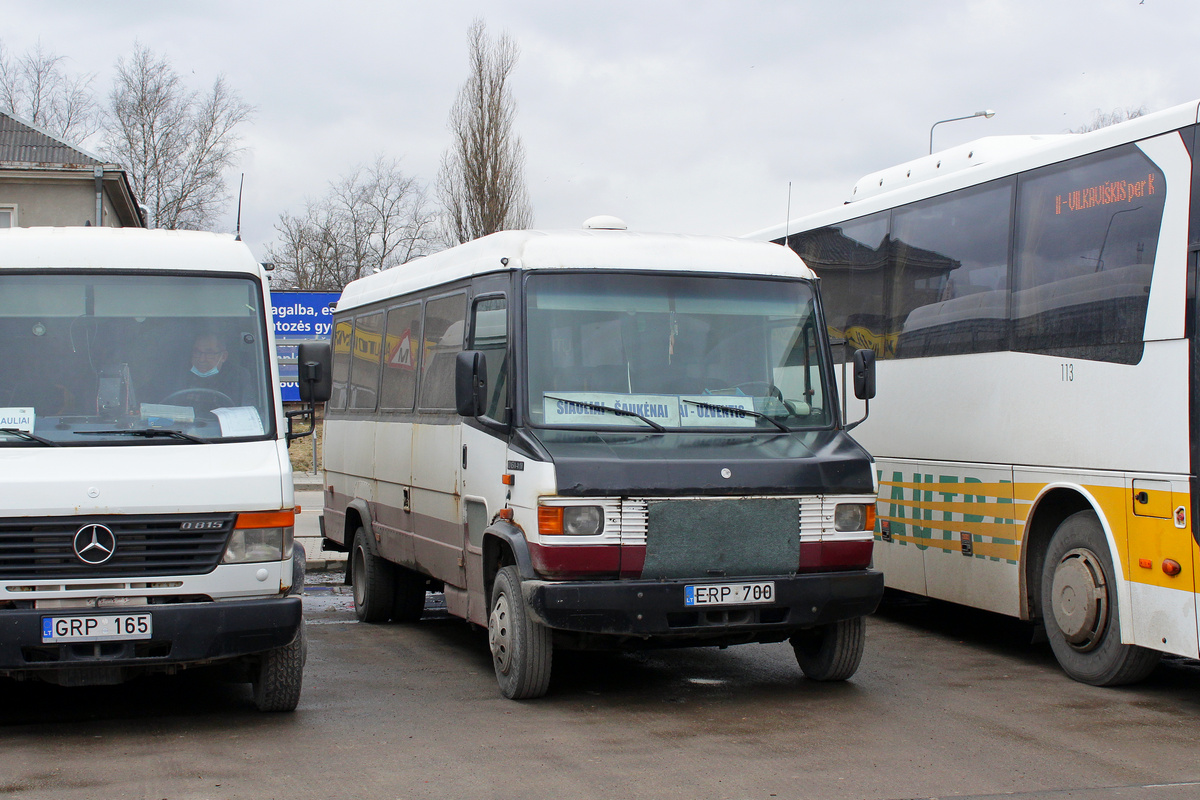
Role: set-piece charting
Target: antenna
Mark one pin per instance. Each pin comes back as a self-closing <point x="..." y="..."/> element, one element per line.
<point x="788" y="220"/>
<point x="238" y="236"/>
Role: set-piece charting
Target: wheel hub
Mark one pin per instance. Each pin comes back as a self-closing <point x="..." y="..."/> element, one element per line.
<point x="1080" y="599"/>
<point x="499" y="635"/>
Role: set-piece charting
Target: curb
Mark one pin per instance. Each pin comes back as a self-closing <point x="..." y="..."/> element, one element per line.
<point x="308" y="481"/>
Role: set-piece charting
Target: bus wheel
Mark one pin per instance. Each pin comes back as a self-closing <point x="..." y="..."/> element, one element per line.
<point x="372" y="582"/>
<point x="831" y="652"/>
<point x="1079" y="608"/>
<point x="522" y="649"/>
<point x="408" y="597"/>
<point x="279" y="676"/>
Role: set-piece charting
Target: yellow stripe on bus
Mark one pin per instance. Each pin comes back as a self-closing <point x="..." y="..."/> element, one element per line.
<point x="1008" y="552"/>
<point x="997" y="510"/>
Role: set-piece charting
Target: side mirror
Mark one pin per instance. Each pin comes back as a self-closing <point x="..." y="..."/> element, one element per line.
<point x="315" y="378"/>
<point x="470" y="383"/>
<point x="864" y="374"/>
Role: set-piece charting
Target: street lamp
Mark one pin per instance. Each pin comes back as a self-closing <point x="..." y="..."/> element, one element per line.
<point x="989" y="114"/>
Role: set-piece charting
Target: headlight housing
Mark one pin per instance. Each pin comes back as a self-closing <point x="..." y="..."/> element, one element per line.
<point x="570" y="520"/>
<point x="854" y="517"/>
<point x="261" y="536"/>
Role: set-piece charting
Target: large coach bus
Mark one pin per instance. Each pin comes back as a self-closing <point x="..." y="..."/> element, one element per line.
<point x="600" y="439"/>
<point x="146" y="507"/>
<point x="1031" y="301"/>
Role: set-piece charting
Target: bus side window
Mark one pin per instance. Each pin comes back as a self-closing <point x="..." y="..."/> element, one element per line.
<point x="1087" y="233"/>
<point x="442" y="339"/>
<point x="364" y="366"/>
<point x="852" y="261"/>
<point x="400" y="356"/>
<point x="343" y="338"/>
<point x="950" y="272"/>
<point x="489" y="334"/>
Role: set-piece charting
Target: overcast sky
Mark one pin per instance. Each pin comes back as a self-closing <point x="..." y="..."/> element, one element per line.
<point x="675" y="116"/>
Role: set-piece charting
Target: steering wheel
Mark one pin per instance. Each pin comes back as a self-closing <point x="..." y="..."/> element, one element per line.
<point x="215" y="394"/>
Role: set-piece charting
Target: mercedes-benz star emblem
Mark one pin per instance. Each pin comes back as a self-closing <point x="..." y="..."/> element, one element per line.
<point x="95" y="544"/>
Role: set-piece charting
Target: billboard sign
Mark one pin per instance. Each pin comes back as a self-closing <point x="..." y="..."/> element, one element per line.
<point x="299" y="317"/>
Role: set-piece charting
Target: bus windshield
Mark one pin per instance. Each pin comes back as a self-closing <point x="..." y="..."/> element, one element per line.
<point x="131" y="359"/>
<point x="672" y="351"/>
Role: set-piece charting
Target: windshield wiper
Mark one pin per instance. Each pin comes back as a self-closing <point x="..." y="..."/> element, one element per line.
<point x="148" y="433"/>
<point x="30" y="437"/>
<point x="750" y="411"/>
<point x="618" y="411"/>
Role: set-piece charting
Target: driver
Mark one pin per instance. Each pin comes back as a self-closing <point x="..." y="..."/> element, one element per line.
<point x="211" y="381"/>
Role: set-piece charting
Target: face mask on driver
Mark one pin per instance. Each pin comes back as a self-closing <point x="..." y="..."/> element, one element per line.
<point x="208" y="374"/>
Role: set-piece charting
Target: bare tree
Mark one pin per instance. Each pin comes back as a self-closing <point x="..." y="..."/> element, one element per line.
<point x="481" y="183"/>
<point x="35" y="88"/>
<point x="1101" y="119"/>
<point x="175" y="143"/>
<point x="372" y="219"/>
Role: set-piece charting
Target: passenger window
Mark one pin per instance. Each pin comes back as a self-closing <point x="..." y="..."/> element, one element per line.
<point x="489" y="335"/>
<point x="343" y="339"/>
<point x="442" y="336"/>
<point x="950" y="272"/>
<point x="364" y="369"/>
<point x="1087" y="232"/>
<point x="851" y="260"/>
<point x="400" y="356"/>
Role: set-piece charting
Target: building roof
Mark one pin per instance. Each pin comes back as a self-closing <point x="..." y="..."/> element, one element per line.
<point x="26" y="149"/>
<point x="22" y="141"/>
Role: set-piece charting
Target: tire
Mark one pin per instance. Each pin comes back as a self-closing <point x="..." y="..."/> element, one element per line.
<point x="831" y="652"/>
<point x="373" y="580"/>
<point x="1079" y="608"/>
<point x="280" y="675"/>
<point x="522" y="649"/>
<point x="408" y="594"/>
<point x="299" y="566"/>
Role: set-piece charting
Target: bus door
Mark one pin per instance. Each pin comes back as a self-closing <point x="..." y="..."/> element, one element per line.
<point x="485" y="467"/>
<point x="437" y="447"/>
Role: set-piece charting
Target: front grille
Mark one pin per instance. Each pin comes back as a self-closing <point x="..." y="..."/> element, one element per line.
<point x="43" y="547"/>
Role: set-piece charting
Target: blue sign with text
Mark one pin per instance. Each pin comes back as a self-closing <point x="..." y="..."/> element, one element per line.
<point x="299" y="316"/>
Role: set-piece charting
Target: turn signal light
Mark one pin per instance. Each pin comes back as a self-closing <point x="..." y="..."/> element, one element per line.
<point x="1171" y="567"/>
<point x="550" y="520"/>
<point x="267" y="519"/>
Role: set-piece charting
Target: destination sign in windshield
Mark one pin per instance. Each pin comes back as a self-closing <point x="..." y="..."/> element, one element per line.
<point x="671" y="411"/>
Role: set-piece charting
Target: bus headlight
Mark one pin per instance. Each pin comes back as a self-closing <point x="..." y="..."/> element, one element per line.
<point x="570" y="520"/>
<point x="854" y="517"/>
<point x="261" y="537"/>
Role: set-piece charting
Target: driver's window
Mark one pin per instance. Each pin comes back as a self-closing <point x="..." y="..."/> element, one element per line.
<point x="489" y="334"/>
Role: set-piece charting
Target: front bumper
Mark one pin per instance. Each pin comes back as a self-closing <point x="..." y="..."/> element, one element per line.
<point x="183" y="634"/>
<point x="656" y="609"/>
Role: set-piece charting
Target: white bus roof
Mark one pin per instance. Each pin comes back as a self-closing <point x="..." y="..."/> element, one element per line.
<point x="980" y="161"/>
<point x="124" y="248"/>
<point x="576" y="249"/>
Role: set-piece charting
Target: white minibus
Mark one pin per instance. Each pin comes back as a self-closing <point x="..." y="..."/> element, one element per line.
<point x="601" y="439"/>
<point x="146" y="509"/>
